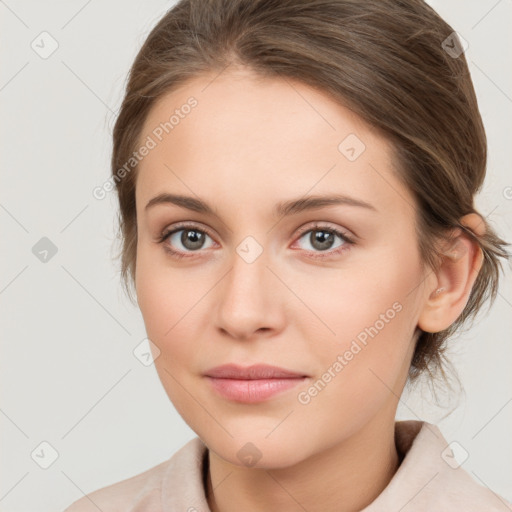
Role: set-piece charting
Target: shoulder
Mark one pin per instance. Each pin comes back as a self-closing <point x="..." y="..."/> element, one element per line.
<point x="119" y="496"/>
<point x="458" y="490"/>
<point x="141" y="491"/>
<point x="431" y="478"/>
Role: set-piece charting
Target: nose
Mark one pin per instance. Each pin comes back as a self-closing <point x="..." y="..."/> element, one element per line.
<point x="248" y="299"/>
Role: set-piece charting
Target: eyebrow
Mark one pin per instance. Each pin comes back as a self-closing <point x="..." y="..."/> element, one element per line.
<point x="281" y="209"/>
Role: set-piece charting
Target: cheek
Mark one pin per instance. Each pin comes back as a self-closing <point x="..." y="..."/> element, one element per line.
<point x="375" y="292"/>
<point x="373" y="316"/>
<point x="165" y="297"/>
<point x="172" y="303"/>
<point x="162" y="308"/>
<point x="166" y="302"/>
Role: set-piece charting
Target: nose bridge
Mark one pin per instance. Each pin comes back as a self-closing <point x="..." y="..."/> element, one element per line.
<point x="247" y="301"/>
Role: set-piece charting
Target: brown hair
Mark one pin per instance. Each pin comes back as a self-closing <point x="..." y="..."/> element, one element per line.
<point x="383" y="59"/>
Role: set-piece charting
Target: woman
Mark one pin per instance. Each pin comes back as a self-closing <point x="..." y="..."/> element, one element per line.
<point x="296" y="183"/>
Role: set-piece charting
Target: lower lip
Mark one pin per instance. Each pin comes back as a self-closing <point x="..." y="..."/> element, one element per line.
<point x="253" y="391"/>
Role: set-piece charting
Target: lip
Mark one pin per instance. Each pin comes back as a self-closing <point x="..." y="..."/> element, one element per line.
<point x="253" y="372"/>
<point x="252" y="384"/>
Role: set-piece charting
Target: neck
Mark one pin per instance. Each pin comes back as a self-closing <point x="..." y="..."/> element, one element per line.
<point x="345" y="478"/>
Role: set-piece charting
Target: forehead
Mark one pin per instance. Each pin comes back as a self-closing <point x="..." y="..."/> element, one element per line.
<point x="237" y="101"/>
<point x="245" y="131"/>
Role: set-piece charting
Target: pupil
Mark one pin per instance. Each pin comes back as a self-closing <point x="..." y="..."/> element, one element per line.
<point x="323" y="238"/>
<point x="192" y="239"/>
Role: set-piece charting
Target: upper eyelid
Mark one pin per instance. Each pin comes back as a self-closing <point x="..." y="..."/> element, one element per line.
<point x="317" y="225"/>
<point x="179" y="227"/>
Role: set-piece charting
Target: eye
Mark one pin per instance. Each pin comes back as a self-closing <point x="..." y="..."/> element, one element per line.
<point x="322" y="239"/>
<point x="186" y="238"/>
<point x="183" y="240"/>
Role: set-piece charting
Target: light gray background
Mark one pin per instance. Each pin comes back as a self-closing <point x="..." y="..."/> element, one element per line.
<point x="68" y="373"/>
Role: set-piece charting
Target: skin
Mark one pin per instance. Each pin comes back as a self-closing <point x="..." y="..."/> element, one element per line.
<point x="249" y="144"/>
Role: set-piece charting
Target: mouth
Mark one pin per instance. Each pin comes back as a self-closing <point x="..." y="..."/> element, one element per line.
<point x="252" y="384"/>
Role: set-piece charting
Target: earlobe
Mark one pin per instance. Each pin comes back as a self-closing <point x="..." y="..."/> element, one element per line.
<point x="461" y="263"/>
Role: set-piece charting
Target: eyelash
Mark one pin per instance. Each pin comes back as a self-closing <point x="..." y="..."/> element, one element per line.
<point x="348" y="241"/>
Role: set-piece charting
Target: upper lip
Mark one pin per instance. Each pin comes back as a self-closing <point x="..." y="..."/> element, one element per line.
<point x="256" y="371"/>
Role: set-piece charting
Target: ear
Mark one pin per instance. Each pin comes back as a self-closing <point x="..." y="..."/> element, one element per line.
<point x="448" y="294"/>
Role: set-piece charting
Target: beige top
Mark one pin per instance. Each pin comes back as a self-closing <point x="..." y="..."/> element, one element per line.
<point x="428" y="479"/>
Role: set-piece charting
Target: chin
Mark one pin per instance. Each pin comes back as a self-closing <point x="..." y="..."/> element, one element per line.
<point x="257" y="452"/>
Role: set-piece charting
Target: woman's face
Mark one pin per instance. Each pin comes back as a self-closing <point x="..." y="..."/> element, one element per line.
<point x="262" y="285"/>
